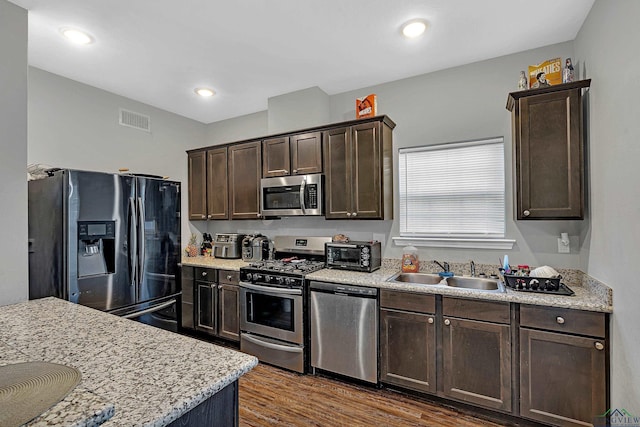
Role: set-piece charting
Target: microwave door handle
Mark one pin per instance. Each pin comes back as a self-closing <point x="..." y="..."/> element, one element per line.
<point x="303" y="186"/>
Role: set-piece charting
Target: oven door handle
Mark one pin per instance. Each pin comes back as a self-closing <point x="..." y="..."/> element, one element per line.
<point x="271" y="346"/>
<point x="270" y="290"/>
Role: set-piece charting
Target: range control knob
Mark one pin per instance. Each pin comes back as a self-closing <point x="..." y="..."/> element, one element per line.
<point x="267" y="278"/>
<point x="257" y="277"/>
<point x="288" y="281"/>
<point x="279" y="280"/>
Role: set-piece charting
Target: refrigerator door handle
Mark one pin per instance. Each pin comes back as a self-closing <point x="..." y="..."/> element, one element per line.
<point x="133" y="242"/>
<point x="141" y="241"/>
<point x="150" y="309"/>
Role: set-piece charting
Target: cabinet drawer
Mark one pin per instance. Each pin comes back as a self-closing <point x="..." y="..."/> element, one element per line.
<point x="564" y="320"/>
<point x="497" y="312"/>
<point x="399" y="300"/>
<point x="206" y="275"/>
<point x="229" y="277"/>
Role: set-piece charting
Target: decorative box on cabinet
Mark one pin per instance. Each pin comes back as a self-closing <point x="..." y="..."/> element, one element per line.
<point x="547" y="126"/>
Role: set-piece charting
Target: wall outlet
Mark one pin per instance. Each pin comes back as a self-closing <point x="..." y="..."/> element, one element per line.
<point x="562" y="248"/>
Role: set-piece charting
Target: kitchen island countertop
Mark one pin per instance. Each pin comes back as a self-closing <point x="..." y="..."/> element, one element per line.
<point x="137" y="373"/>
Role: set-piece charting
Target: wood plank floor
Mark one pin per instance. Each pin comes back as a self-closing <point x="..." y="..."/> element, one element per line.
<point x="274" y="397"/>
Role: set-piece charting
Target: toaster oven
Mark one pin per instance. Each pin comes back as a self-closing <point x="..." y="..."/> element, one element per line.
<point x="356" y="256"/>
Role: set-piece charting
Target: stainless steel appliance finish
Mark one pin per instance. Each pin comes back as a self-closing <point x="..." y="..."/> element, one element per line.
<point x="273" y="304"/>
<point x="292" y="195"/>
<point x="108" y="241"/>
<point x="255" y="248"/>
<point x="344" y="330"/>
<point x="228" y="245"/>
<point x="357" y="256"/>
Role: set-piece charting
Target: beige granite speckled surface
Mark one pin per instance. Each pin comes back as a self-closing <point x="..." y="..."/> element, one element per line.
<point x="211" y="262"/>
<point x="80" y="407"/>
<point x="150" y="376"/>
<point x="590" y="294"/>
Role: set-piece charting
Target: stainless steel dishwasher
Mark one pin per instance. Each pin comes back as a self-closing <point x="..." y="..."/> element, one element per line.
<point x="344" y="330"/>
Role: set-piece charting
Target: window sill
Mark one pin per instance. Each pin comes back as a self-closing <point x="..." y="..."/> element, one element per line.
<point x="441" y="242"/>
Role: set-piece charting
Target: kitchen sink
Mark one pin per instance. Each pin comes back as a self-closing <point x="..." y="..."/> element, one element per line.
<point x="430" y="279"/>
<point x="417" y="278"/>
<point x="476" y="283"/>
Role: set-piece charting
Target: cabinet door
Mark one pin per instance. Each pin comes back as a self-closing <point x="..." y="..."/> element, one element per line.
<point x="197" y="172"/>
<point x="549" y="156"/>
<point x="366" y="178"/>
<point x="229" y="312"/>
<point x="408" y="349"/>
<point x="217" y="184"/>
<point x="245" y="166"/>
<point x="188" y="291"/>
<point x="306" y="153"/>
<point x="338" y="184"/>
<point x="206" y="317"/>
<point x="562" y="378"/>
<point x="477" y="362"/>
<point x="276" y="160"/>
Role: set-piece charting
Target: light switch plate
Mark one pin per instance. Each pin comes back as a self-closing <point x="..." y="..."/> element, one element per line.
<point x="562" y="248"/>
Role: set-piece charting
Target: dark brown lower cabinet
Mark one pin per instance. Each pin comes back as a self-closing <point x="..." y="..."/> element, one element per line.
<point x="217" y="303"/>
<point x="562" y="378"/>
<point x="476" y="354"/>
<point x="408" y="349"/>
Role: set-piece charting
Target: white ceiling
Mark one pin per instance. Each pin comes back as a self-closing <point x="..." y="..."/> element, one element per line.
<point x="158" y="51"/>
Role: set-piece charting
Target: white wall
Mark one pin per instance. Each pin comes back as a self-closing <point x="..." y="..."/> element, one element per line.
<point x="456" y="104"/>
<point x="606" y="45"/>
<point x="13" y="157"/>
<point x="72" y="125"/>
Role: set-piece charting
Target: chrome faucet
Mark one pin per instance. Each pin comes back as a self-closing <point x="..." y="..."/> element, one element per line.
<point x="444" y="266"/>
<point x="473" y="269"/>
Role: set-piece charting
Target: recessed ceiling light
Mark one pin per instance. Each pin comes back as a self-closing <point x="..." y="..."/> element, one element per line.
<point x="414" y="28"/>
<point x="76" y="36"/>
<point x="205" y="92"/>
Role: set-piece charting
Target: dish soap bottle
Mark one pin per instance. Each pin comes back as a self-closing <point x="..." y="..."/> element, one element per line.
<point x="410" y="262"/>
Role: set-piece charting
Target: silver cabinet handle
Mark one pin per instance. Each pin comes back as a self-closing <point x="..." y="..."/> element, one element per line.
<point x="204" y="273"/>
<point x="209" y="216"/>
<point x="229" y="277"/>
<point x="355" y="214"/>
<point x="295" y="171"/>
<point x="258" y="215"/>
<point x="447" y="322"/>
<point x="219" y="286"/>
<point x="526" y="213"/>
<point x="348" y="213"/>
<point x="599" y="346"/>
<point x="203" y="216"/>
<point x="560" y="320"/>
<point x="430" y="320"/>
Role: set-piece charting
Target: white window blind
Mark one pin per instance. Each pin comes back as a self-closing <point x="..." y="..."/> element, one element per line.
<point x="453" y="190"/>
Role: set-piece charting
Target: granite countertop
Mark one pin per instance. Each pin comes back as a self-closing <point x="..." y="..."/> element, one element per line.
<point x="139" y="374"/>
<point x="590" y="294"/>
<point x="211" y="262"/>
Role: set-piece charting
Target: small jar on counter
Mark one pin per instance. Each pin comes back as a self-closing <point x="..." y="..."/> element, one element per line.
<point x="410" y="261"/>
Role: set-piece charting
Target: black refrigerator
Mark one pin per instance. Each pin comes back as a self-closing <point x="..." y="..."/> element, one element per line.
<point x="107" y="241"/>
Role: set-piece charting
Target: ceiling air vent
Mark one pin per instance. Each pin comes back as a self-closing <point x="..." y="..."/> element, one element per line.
<point x="135" y="120"/>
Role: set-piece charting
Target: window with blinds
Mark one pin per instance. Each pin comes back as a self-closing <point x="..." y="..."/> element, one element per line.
<point x="453" y="190"/>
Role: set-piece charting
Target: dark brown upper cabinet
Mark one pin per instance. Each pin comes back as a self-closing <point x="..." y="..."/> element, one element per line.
<point x="298" y="154"/>
<point x="358" y="171"/>
<point x="217" y="184"/>
<point x="245" y="161"/>
<point x="208" y="195"/>
<point x="197" y="173"/>
<point x="547" y="126"/>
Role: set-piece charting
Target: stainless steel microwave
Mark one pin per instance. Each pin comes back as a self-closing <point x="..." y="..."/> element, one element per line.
<point x="292" y="195"/>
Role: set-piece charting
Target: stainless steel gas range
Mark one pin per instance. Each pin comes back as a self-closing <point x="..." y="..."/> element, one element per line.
<point x="273" y="302"/>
